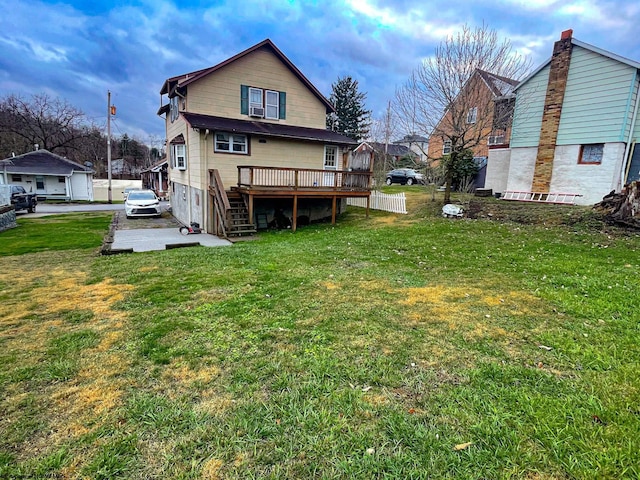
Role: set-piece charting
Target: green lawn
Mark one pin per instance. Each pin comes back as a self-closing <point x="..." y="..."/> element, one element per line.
<point x="389" y="347"/>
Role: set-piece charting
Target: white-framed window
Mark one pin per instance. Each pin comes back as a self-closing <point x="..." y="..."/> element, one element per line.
<point x="472" y="115"/>
<point x="180" y="156"/>
<point x="231" y="143"/>
<point x="330" y="157"/>
<point x="446" y="147"/>
<point x="255" y="97"/>
<point x="272" y="102"/>
<point x="591" y="154"/>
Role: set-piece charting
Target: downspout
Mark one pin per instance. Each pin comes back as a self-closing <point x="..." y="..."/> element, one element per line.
<point x="625" y="159"/>
<point x="204" y="174"/>
<point x="188" y="155"/>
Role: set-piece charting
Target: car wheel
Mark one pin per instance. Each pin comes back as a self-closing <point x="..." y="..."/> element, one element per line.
<point x="388" y="181"/>
<point x="409" y="181"/>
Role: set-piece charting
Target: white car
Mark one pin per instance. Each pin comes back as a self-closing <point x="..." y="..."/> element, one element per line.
<point x="127" y="191"/>
<point x="142" y="203"/>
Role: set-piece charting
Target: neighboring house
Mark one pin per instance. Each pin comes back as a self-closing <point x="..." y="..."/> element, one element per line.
<point x="48" y="175"/>
<point x="396" y="153"/>
<point x="156" y="178"/>
<point x="575" y="127"/>
<point x="484" y="104"/>
<point x="418" y="144"/>
<point x="252" y="131"/>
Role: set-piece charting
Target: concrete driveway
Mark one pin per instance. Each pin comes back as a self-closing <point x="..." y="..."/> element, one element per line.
<point x="140" y="234"/>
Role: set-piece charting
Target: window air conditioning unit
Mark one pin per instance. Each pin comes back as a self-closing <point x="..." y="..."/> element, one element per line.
<point x="256" y="112"/>
<point x="496" y="139"/>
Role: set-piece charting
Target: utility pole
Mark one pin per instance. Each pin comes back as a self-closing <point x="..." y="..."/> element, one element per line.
<point x="109" y="144"/>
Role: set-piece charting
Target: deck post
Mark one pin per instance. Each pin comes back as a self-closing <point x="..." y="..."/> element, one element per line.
<point x="250" y="208"/>
<point x="294" y="220"/>
<point x="368" y="205"/>
<point x="333" y="210"/>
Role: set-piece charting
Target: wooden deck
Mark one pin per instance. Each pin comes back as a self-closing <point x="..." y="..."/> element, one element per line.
<point x="295" y="183"/>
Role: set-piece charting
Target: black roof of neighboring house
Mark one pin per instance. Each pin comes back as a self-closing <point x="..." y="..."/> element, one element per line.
<point x="412" y="139"/>
<point x="265" y="129"/>
<point x="41" y="162"/>
<point x="392" y="149"/>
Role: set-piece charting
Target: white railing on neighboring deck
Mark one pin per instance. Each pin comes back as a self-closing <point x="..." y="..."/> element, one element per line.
<point x="388" y="202"/>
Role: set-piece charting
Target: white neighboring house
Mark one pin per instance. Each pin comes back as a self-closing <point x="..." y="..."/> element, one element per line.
<point x="48" y="175"/>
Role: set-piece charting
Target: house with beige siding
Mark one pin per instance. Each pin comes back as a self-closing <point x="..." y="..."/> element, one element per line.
<point x="247" y="145"/>
<point x="575" y="127"/>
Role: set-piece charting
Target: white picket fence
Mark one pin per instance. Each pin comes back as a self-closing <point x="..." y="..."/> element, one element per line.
<point x="389" y="202"/>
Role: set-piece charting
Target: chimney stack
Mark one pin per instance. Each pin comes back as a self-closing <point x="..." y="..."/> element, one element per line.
<point x="554" y="99"/>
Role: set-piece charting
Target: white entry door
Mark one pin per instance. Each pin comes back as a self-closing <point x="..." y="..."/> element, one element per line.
<point x="330" y="163"/>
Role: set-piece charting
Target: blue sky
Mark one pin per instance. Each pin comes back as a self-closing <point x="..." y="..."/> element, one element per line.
<point x="77" y="50"/>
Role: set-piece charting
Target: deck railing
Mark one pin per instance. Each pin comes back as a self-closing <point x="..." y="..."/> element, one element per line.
<point x="303" y="178"/>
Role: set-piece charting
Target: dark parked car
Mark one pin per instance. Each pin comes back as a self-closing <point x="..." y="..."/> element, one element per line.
<point x="404" y="176"/>
<point x="21" y="200"/>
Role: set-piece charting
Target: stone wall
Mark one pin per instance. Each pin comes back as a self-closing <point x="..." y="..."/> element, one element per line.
<point x="7" y="218"/>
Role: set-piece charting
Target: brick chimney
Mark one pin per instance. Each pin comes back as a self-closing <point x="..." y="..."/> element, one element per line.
<point x="558" y="73"/>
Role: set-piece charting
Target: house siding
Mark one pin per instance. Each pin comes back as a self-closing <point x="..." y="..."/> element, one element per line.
<point x="527" y="117"/>
<point x="591" y="181"/>
<point x="498" y="169"/>
<point x="273" y="153"/>
<point x="596" y="103"/>
<point x="521" y="167"/>
<point x="219" y="93"/>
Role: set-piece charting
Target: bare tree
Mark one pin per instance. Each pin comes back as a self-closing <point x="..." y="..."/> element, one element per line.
<point x="50" y="123"/>
<point x="445" y="97"/>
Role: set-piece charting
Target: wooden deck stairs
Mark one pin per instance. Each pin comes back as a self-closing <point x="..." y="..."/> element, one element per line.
<point x="240" y="224"/>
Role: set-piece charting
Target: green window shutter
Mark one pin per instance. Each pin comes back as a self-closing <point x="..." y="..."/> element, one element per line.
<point x="283" y="105"/>
<point x="244" y="99"/>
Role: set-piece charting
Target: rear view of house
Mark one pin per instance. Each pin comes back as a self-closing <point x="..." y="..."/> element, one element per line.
<point x="247" y="144"/>
<point x="574" y="129"/>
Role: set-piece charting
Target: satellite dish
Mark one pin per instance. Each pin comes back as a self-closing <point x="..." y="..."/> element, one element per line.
<point x="88" y="164"/>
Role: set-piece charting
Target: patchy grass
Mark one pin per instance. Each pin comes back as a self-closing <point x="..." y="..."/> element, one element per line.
<point x="371" y="349"/>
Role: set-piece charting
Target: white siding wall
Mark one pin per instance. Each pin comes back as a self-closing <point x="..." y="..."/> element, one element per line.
<point x="521" y="166"/>
<point x="81" y="186"/>
<point x="180" y="203"/>
<point x="591" y="181"/>
<point x="498" y="169"/>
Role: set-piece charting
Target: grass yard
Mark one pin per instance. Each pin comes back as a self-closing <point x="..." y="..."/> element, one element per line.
<point x="392" y="347"/>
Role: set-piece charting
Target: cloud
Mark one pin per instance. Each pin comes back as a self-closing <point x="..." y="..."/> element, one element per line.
<point x="78" y="50"/>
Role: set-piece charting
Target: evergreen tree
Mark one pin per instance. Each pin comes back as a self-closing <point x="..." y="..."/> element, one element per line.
<point x="351" y="117"/>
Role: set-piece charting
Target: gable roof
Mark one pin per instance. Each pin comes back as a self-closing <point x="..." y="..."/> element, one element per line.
<point x="265" y="129"/>
<point x="41" y="162"/>
<point x="412" y="138"/>
<point x="392" y="149"/>
<point x="185" y="79"/>
<point x="587" y="46"/>
<point x="499" y="86"/>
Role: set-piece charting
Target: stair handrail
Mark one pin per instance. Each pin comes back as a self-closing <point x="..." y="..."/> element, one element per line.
<point x="220" y="201"/>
